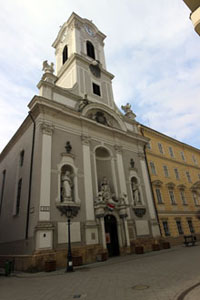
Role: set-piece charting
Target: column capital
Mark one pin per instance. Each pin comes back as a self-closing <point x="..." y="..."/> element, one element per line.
<point x="118" y="148"/>
<point x="141" y="155"/>
<point x="85" y="139"/>
<point x="47" y="128"/>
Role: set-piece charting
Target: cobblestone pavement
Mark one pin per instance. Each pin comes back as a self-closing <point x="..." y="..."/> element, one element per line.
<point x="160" y="275"/>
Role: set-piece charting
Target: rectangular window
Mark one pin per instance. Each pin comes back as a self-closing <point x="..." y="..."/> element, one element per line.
<point x="160" y="147"/>
<point x="176" y="173"/>
<point x="179" y="227"/>
<point x="2" y="189"/>
<point x="171" y="153"/>
<point x="182" y="155"/>
<point x="195" y="198"/>
<point x="172" y="198"/>
<point x="153" y="169"/>
<point x="148" y="145"/>
<point x="159" y="196"/>
<point x="166" y="172"/>
<point x="188" y="177"/>
<point x="96" y="89"/>
<point x="166" y="228"/>
<point x="194" y="159"/>
<point x="19" y="188"/>
<point x="190" y="225"/>
<point x="183" y="199"/>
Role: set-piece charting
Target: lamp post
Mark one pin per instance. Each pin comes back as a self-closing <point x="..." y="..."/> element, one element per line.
<point x="69" y="252"/>
<point x="70" y="210"/>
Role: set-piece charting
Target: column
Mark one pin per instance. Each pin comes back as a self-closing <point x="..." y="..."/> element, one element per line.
<point x="45" y="182"/>
<point x="120" y="169"/>
<point x="89" y="201"/>
<point x="149" y="197"/>
<point x="103" y="232"/>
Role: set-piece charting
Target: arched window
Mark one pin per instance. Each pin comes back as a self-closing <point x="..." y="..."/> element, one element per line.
<point x="65" y="54"/>
<point x="90" y="49"/>
<point x="21" y="160"/>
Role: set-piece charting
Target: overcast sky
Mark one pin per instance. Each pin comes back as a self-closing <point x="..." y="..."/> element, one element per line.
<point x="151" y="48"/>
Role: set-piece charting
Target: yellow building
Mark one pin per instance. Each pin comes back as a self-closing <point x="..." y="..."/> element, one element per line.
<point x="174" y="169"/>
<point x="194" y="6"/>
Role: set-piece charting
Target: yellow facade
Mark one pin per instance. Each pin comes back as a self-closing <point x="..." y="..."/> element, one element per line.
<point x="174" y="170"/>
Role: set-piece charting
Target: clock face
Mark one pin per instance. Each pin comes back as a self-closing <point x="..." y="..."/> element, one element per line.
<point x="89" y="30"/>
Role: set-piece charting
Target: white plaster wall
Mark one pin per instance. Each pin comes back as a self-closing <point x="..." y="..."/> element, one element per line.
<point x="142" y="227"/>
<point x="63" y="232"/>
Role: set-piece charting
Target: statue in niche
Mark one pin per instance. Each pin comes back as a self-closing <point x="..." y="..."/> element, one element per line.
<point x="67" y="186"/>
<point x="104" y="195"/>
<point x="136" y="192"/>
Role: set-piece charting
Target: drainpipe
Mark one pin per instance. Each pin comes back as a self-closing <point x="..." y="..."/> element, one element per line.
<point x="30" y="177"/>
<point x="154" y="201"/>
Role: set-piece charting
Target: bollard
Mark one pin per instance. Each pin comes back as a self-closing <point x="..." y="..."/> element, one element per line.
<point x="7" y="268"/>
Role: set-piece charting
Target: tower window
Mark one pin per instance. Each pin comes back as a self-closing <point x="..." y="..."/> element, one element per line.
<point x="96" y="89"/>
<point x="65" y="54"/>
<point x="90" y="49"/>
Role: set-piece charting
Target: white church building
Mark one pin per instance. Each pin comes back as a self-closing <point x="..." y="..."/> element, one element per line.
<point x="76" y="150"/>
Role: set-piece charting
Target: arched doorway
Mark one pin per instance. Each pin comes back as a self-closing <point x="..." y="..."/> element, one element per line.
<point x="111" y="235"/>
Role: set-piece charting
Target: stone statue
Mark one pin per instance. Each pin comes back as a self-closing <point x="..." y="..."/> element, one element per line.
<point x="128" y="111"/>
<point x="136" y="192"/>
<point x="47" y="68"/>
<point x="68" y="147"/>
<point x="127" y="108"/>
<point x="67" y="185"/>
<point x="83" y="103"/>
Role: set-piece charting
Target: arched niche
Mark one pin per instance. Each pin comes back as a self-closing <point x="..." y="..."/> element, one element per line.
<point x="67" y="165"/>
<point x="136" y="191"/>
<point x="104" y="167"/>
<point x="67" y="184"/>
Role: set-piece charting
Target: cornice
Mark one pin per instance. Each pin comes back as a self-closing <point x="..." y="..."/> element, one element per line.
<point x="84" y="59"/>
<point x="166" y="137"/>
<point x="149" y="152"/>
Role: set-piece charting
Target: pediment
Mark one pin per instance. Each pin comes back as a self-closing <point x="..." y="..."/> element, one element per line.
<point x="157" y="182"/>
<point x="103" y="115"/>
<point x="181" y="186"/>
<point x="170" y="185"/>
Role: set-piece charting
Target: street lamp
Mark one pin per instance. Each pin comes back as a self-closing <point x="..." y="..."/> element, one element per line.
<point x="69" y="214"/>
<point x="70" y="210"/>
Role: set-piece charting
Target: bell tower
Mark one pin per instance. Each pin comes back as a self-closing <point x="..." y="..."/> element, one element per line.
<point x="80" y="61"/>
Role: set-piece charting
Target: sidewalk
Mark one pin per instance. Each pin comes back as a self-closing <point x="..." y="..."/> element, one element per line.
<point x="159" y="275"/>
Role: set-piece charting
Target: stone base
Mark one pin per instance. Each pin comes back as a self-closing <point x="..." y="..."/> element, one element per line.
<point x="37" y="261"/>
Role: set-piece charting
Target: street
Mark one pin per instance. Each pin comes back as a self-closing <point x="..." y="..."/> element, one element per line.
<point x="158" y="275"/>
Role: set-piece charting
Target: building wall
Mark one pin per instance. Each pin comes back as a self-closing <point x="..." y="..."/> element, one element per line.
<point x="183" y="158"/>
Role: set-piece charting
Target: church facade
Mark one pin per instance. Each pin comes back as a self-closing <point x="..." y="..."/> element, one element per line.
<point x="75" y="150"/>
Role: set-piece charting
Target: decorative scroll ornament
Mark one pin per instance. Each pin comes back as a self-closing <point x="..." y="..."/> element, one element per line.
<point x="139" y="211"/>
